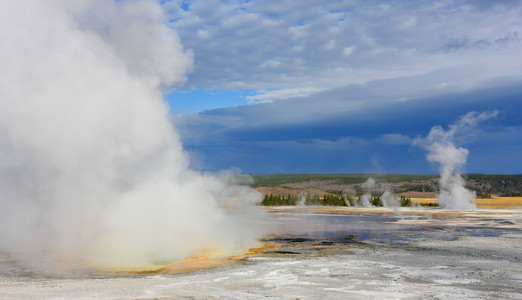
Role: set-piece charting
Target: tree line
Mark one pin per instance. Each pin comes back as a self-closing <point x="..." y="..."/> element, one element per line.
<point x="326" y="200"/>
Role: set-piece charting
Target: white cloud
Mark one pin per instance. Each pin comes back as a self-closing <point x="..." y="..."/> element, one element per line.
<point x="348" y="51"/>
<point x="322" y="45"/>
<point x="270" y="96"/>
<point x="203" y="34"/>
<point x="270" y="64"/>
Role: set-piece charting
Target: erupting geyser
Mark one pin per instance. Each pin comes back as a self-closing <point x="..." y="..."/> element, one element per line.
<point x="441" y="146"/>
<point x="91" y="170"/>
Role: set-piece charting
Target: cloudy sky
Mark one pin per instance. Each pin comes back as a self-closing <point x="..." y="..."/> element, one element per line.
<point x="346" y="86"/>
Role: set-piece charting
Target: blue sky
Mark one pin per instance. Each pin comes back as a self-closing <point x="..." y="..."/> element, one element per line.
<point x="346" y="86"/>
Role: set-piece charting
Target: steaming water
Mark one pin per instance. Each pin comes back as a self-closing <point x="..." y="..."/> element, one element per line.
<point x="313" y="230"/>
<point x="386" y="226"/>
<point x="457" y="254"/>
<point x="91" y="170"/>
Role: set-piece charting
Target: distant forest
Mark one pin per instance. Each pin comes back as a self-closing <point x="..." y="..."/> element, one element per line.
<point x="483" y="184"/>
<point x="332" y="200"/>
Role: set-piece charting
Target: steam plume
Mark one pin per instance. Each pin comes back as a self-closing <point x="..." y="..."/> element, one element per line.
<point x="369" y="185"/>
<point x="441" y="148"/>
<point x="91" y="170"/>
<point x="388" y="198"/>
<point x="302" y="199"/>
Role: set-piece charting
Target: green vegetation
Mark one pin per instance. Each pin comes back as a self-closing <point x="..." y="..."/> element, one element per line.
<point x="271" y="200"/>
<point x="406" y="201"/>
<point x="326" y="200"/>
<point x="279" y="179"/>
<point x="483" y="195"/>
<point x="419" y="187"/>
<point x="484" y="185"/>
<point x="376" y="201"/>
<point x="430" y="204"/>
<point x="333" y="200"/>
<point x="502" y="185"/>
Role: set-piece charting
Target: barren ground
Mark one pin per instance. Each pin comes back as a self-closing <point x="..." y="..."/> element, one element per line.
<point x="329" y="253"/>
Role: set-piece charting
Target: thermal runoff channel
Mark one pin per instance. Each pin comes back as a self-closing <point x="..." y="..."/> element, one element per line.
<point x="92" y="172"/>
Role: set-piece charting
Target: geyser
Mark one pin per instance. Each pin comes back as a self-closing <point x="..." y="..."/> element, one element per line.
<point x="441" y="148"/>
<point x="91" y="170"/>
<point x="388" y="198"/>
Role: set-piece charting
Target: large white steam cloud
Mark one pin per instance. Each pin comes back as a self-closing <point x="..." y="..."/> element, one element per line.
<point x="442" y="150"/>
<point x="91" y="170"/>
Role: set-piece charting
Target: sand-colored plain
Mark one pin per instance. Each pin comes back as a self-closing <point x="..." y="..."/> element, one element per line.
<point x="493" y="202"/>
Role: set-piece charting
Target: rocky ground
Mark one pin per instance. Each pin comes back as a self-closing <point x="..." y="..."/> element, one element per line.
<point x="334" y="254"/>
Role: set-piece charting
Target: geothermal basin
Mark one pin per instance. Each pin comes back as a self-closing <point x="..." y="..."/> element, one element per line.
<point x="323" y="253"/>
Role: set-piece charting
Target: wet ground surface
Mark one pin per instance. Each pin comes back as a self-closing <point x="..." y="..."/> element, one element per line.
<point x="394" y="227"/>
<point x="320" y="253"/>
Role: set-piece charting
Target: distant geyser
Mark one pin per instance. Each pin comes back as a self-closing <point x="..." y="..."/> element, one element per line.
<point x="441" y="148"/>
